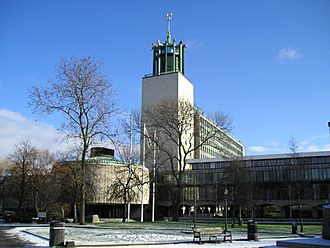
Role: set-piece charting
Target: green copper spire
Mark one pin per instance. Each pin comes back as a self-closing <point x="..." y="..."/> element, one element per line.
<point x="168" y="56"/>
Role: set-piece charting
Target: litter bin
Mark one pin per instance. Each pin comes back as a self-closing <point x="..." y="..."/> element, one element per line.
<point x="56" y="234"/>
<point x="252" y="230"/>
<point x="294" y="228"/>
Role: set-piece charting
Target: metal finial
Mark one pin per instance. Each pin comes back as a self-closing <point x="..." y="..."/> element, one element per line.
<point x="169" y="19"/>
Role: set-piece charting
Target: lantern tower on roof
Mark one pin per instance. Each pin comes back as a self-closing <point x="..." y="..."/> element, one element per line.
<point x="168" y="56"/>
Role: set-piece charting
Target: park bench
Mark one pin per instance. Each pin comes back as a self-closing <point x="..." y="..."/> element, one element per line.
<point x="211" y="232"/>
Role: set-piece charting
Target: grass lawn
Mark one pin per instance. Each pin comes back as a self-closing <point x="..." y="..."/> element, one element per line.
<point x="281" y="228"/>
<point x="262" y="228"/>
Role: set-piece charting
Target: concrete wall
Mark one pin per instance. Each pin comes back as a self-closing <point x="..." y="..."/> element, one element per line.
<point x="172" y="86"/>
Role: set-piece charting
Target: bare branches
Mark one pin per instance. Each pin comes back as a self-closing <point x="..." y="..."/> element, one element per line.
<point x="81" y="93"/>
<point x="293" y="146"/>
<point x="223" y="120"/>
<point x="30" y="175"/>
<point x="84" y="97"/>
<point x="181" y="130"/>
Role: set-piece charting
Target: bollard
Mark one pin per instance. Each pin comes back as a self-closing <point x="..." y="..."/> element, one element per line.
<point x="294" y="228"/>
<point x="252" y="230"/>
<point x="56" y="234"/>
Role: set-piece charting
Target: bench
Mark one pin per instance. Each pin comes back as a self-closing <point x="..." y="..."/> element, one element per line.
<point x="211" y="232"/>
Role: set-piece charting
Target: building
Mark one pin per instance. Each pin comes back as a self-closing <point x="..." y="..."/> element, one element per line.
<point x="169" y="83"/>
<point x="276" y="185"/>
<point x="110" y="185"/>
<point x="174" y="130"/>
<point x="114" y="184"/>
<point x="221" y="145"/>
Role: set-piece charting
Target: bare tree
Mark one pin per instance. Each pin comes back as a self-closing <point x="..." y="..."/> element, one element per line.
<point x="23" y="158"/>
<point x="5" y="175"/>
<point x="298" y="176"/>
<point x="85" y="99"/>
<point x="175" y="140"/>
<point x="126" y="186"/>
<point x="239" y="187"/>
<point x="40" y="180"/>
<point x="293" y="147"/>
<point x="128" y="178"/>
<point x="67" y="178"/>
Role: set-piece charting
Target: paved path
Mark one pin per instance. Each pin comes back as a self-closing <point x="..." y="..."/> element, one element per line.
<point x="10" y="240"/>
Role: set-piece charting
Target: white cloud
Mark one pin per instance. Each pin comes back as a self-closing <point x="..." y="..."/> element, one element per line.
<point x="257" y="149"/>
<point x="315" y="143"/>
<point x="316" y="148"/>
<point x="289" y="53"/>
<point x="14" y="127"/>
<point x="274" y="144"/>
<point x="193" y="44"/>
<point x="313" y="148"/>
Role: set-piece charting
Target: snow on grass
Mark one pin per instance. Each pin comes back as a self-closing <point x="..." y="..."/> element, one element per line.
<point x="121" y="237"/>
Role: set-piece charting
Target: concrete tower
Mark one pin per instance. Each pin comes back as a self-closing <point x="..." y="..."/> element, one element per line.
<point x="167" y="81"/>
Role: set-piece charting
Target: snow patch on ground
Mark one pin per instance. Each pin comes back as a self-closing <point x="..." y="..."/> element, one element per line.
<point x="101" y="236"/>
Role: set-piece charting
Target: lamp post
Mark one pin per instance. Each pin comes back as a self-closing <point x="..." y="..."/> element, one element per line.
<point x="195" y="200"/>
<point x="226" y="203"/>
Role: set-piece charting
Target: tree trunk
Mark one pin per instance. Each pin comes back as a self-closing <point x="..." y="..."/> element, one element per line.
<point x="62" y="212"/>
<point x="82" y="208"/>
<point x="300" y="213"/>
<point x="83" y="190"/>
<point x="240" y="221"/>
<point x="177" y="204"/>
<point x="22" y="189"/>
<point x="233" y="216"/>
<point x="125" y="208"/>
<point x="75" y="217"/>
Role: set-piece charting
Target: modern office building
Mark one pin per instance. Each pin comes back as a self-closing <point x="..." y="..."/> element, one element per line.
<point x="222" y="144"/>
<point x="278" y="185"/>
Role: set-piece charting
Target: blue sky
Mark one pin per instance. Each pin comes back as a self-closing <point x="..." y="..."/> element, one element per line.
<point x="267" y="63"/>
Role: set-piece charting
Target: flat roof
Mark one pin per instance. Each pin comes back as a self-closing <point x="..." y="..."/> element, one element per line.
<point x="262" y="157"/>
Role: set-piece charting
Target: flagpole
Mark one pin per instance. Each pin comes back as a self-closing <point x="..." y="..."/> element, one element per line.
<point x="143" y="165"/>
<point x="153" y="181"/>
<point x="130" y="166"/>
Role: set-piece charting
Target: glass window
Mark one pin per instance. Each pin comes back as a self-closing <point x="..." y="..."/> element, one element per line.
<point x="314" y="160"/>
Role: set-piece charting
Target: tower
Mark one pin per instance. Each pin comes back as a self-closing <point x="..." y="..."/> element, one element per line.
<point x="167" y="83"/>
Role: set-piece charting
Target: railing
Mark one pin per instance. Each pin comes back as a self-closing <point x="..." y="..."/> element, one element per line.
<point x="160" y="74"/>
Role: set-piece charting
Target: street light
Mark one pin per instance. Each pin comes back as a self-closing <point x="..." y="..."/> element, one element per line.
<point x="226" y="203"/>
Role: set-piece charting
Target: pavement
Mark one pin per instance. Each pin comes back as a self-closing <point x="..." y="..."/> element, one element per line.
<point x="10" y="240"/>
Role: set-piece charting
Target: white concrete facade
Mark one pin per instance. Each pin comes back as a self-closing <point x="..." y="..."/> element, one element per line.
<point x="173" y="87"/>
<point x="166" y="87"/>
